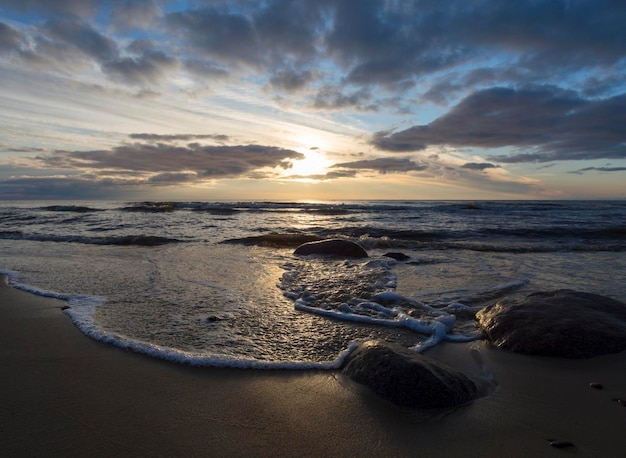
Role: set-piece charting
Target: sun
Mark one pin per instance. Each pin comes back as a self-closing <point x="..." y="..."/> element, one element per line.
<point x="313" y="163"/>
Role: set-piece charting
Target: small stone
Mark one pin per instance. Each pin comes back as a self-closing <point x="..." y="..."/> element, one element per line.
<point x="65" y="307"/>
<point x="621" y="402"/>
<point x="561" y="444"/>
<point x="596" y="385"/>
<point x="397" y="256"/>
<point x="213" y="319"/>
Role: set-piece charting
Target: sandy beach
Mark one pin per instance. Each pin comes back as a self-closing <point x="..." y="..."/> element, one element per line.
<point x="64" y="394"/>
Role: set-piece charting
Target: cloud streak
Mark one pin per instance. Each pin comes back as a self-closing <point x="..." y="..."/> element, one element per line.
<point x="384" y="165"/>
<point x="599" y="169"/>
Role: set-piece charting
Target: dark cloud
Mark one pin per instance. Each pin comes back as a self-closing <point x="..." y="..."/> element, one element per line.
<point x="148" y="68"/>
<point x="11" y="40"/>
<point x="334" y="98"/>
<point x="479" y="166"/>
<point x="164" y="158"/>
<point x="82" y="37"/>
<point x="599" y="169"/>
<point x="173" y="178"/>
<point x="551" y="123"/>
<point x="263" y="36"/>
<point x="391" y="43"/>
<point x="28" y="149"/>
<point x="290" y="80"/>
<point x="290" y="30"/>
<point x="55" y="7"/>
<point x="134" y="14"/>
<point x="384" y="165"/>
<point x="218" y="34"/>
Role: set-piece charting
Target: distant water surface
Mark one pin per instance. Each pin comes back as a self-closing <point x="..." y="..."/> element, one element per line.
<point x="218" y="284"/>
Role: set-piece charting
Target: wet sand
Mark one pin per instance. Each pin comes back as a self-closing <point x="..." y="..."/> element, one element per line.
<point x="64" y="394"/>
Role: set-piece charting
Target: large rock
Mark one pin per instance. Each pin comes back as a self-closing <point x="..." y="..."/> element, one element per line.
<point x="408" y="378"/>
<point x="333" y="247"/>
<point x="559" y="323"/>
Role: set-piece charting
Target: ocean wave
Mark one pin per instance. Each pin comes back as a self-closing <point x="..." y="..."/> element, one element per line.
<point x="141" y="240"/>
<point x="150" y="207"/>
<point x="509" y="242"/>
<point x="70" y="208"/>
<point x="275" y="240"/>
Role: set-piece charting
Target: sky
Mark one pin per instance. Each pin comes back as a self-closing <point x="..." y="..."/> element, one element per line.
<point x="312" y="100"/>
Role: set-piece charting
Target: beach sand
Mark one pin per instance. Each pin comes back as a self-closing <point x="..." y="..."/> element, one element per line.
<point x="64" y="394"/>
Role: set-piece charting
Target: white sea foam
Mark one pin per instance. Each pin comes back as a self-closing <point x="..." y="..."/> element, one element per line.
<point x="85" y="304"/>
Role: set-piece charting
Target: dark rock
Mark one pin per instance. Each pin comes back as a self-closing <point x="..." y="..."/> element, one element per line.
<point x="561" y="323"/>
<point x="596" y="385"/>
<point x="561" y="444"/>
<point x="333" y="247"/>
<point x="407" y="378"/>
<point x="397" y="256"/>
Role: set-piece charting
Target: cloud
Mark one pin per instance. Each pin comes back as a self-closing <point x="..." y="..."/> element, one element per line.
<point x="290" y="80"/>
<point x="384" y="165"/>
<point x="334" y="98"/>
<point x="173" y="178"/>
<point x="178" y="137"/>
<point x="83" y="37"/>
<point x="205" y="69"/>
<point x="479" y="166"/>
<point x="599" y="169"/>
<point x="163" y="158"/>
<point x="261" y="37"/>
<point x="217" y="34"/>
<point x="134" y="14"/>
<point x="149" y="67"/>
<point x="11" y="40"/>
<point x="552" y="123"/>
<point x="76" y="8"/>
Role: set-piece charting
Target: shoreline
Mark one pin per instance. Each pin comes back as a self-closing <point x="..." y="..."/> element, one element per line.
<point x="67" y="394"/>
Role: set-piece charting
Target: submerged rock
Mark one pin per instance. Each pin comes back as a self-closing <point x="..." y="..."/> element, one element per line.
<point x="408" y="378"/>
<point x="561" y="323"/>
<point x="397" y="256"/>
<point x="333" y="247"/>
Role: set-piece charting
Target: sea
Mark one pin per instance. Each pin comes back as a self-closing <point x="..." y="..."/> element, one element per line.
<point x="218" y="283"/>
